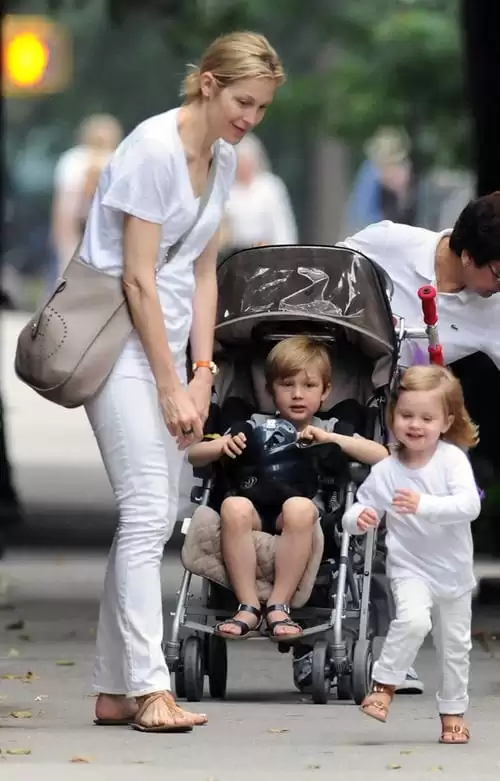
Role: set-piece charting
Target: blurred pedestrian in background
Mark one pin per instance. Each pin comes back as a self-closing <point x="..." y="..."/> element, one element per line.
<point x="75" y="181"/>
<point x="381" y="189"/>
<point x="259" y="210"/>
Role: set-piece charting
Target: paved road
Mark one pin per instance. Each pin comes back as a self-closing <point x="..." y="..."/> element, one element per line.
<point x="264" y="730"/>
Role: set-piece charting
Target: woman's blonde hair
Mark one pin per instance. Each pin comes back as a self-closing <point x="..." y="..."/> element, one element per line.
<point x="240" y="55"/>
<point x="296" y="354"/>
<point x="462" y="432"/>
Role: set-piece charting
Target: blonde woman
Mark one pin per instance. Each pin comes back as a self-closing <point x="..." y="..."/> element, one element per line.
<point x="146" y="414"/>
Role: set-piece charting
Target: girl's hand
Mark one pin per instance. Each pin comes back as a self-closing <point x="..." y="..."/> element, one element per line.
<point x="234" y="446"/>
<point x="405" y="501"/>
<point x="367" y="519"/>
<point x="315" y="434"/>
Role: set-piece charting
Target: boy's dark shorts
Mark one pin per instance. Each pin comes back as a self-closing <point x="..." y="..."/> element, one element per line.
<point x="268" y="518"/>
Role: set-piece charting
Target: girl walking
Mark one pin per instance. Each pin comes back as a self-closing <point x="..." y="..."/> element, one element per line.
<point x="427" y="491"/>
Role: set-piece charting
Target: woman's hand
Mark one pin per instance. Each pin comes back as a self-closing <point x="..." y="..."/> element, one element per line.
<point x="181" y="416"/>
<point x="234" y="446"/>
<point x="315" y="434"/>
<point x="367" y="519"/>
<point x="405" y="502"/>
<point x="200" y="392"/>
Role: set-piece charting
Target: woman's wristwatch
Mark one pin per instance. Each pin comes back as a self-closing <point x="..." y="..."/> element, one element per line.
<point x="210" y="365"/>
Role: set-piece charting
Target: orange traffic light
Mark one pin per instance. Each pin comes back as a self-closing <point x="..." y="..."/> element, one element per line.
<point x="36" y="56"/>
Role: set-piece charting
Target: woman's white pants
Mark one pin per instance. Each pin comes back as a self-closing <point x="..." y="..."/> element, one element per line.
<point x="417" y="613"/>
<point x="143" y="465"/>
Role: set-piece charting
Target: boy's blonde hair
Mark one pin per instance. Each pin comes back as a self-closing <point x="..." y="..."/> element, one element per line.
<point x="239" y="55"/>
<point x="296" y="354"/>
<point x="462" y="432"/>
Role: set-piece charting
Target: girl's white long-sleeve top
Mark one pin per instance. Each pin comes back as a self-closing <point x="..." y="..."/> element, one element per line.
<point x="435" y="543"/>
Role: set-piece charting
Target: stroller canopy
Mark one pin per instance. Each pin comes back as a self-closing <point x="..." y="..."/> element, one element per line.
<point x="336" y="290"/>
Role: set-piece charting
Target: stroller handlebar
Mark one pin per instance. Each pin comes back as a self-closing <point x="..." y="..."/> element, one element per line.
<point x="427" y="295"/>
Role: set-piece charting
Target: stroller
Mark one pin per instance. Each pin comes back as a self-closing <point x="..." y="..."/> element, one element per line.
<point x="341" y="298"/>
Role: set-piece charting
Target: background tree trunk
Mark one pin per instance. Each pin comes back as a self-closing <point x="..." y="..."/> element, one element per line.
<point x="481" y="35"/>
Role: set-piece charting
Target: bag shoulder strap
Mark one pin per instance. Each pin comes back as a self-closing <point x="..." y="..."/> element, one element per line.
<point x="203" y="202"/>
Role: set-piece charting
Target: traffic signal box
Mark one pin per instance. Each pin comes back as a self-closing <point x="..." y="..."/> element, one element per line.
<point x="36" y="55"/>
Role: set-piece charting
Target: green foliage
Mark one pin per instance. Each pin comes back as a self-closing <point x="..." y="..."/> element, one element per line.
<point x="351" y="66"/>
<point x="400" y="64"/>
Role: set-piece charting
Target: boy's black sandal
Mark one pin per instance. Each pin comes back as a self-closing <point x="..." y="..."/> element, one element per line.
<point x="271" y="625"/>
<point x="246" y="629"/>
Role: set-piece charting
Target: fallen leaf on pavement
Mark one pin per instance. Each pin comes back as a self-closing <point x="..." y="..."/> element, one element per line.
<point x="393" y="767"/>
<point x="25" y="677"/>
<point x="15" y="625"/>
<point x="406" y="752"/>
<point x="65" y="663"/>
<point x="17" y="752"/>
<point x="278" y="730"/>
<point x="25" y="638"/>
<point x="81" y="760"/>
<point x="313" y="767"/>
<point x="436" y="769"/>
<point x="21" y="714"/>
<point x="13" y="652"/>
<point x="484" y="639"/>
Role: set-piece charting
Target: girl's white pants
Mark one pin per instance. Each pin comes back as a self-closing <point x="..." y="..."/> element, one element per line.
<point x="417" y="613"/>
<point x="143" y="465"/>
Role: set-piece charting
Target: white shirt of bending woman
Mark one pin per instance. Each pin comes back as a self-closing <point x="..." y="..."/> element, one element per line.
<point x="259" y="210"/>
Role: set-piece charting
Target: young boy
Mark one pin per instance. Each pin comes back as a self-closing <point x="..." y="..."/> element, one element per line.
<point x="298" y="377"/>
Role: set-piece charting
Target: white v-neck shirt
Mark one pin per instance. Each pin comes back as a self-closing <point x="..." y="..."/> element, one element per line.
<point x="148" y="177"/>
<point x="467" y="322"/>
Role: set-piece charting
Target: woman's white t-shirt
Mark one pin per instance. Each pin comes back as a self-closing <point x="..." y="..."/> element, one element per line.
<point x="148" y="177"/>
<point x="467" y="322"/>
<point x="435" y="543"/>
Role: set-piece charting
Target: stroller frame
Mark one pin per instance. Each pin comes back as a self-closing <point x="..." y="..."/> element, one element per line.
<point x="342" y="653"/>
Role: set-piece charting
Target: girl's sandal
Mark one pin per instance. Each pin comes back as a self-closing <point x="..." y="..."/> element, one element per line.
<point x="453" y="729"/>
<point x="377" y="703"/>
<point x="246" y="630"/>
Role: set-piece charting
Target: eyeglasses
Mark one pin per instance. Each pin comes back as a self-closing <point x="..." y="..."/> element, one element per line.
<point x="494" y="271"/>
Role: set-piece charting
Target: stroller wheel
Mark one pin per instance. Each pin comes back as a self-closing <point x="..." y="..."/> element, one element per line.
<point x="321" y="673"/>
<point x="193" y="668"/>
<point x="362" y="664"/>
<point x="217" y="666"/>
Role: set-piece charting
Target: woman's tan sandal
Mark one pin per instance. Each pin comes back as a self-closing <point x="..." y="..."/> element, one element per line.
<point x="377" y="703"/>
<point x="453" y="729"/>
<point x="177" y="719"/>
